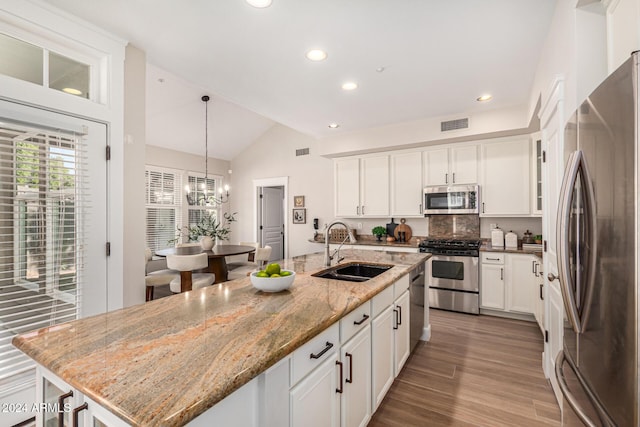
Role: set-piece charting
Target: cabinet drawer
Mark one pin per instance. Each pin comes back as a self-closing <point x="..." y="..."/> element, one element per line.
<point x="353" y="322"/>
<point x="401" y="285"/>
<point x="381" y="301"/>
<point x="313" y="353"/>
<point x="492" y="258"/>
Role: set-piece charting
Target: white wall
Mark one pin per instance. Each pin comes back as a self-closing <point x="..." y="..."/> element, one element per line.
<point x="134" y="158"/>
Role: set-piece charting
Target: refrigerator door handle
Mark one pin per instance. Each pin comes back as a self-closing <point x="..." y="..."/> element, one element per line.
<point x="592" y="224"/>
<point x="605" y="420"/>
<point x="562" y="239"/>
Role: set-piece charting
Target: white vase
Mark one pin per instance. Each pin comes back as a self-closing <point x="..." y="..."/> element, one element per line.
<point x="206" y="243"/>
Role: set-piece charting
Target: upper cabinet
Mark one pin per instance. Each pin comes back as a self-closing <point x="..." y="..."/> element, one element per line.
<point x="449" y="166"/>
<point x="505" y="185"/>
<point x="406" y="184"/>
<point x="362" y="186"/>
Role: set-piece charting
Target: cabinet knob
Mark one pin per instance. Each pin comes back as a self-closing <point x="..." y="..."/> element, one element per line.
<point x="551" y="277"/>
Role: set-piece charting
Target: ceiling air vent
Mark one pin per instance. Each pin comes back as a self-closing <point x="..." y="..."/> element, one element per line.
<point x="454" y="124"/>
<point x="302" y="152"/>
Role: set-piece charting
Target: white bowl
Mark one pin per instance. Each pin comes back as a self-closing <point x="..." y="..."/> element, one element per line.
<point x="272" y="284"/>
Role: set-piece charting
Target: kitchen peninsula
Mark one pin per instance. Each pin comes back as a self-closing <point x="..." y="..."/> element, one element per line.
<point x="169" y="361"/>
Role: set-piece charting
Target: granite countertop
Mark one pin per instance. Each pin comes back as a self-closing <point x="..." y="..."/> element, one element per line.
<point x="486" y="247"/>
<point x="371" y="241"/>
<point x="167" y="361"/>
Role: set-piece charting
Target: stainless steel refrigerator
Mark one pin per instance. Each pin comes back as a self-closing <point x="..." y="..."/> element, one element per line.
<point x="597" y="237"/>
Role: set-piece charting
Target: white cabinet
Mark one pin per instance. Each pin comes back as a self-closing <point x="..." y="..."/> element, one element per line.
<point x="406" y="184"/>
<point x="521" y="282"/>
<point x="382" y="347"/>
<point x="505" y="184"/>
<point x="356" y="387"/>
<point x="362" y="186"/>
<point x="509" y="282"/>
<point x="538" y="306"/>
<point x="537" y="158"/>
<point x="315" y="400"/>
<point x="451" y="165"/>
<point x="401" y="328"/>
<point x="75" y="409"/>
<point x="492" y="288"/>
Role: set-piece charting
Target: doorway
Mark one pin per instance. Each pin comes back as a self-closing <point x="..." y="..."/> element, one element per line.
<point x="270" y="215"/>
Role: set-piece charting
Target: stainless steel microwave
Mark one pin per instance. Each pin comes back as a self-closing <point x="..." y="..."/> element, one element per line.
<point x="454" y="199"/>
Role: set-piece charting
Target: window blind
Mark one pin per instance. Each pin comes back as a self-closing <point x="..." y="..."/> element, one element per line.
<point x="163" y="206"/>
<point x="43" y="192"/>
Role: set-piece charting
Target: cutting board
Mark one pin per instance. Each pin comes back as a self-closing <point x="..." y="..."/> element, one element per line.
<point x="403" y="228"/>
<point x="391" y="228"/>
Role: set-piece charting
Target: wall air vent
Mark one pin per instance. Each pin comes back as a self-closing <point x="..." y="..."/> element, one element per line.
<point x="454" y="124"/>
<point x="302" y="152"/>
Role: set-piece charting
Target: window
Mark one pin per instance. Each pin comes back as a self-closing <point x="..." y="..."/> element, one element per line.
<point x="42" y="192"/>
<point x="163" y="206"/>
<point x="26" y="61"/>
<point x="196" y="197"/>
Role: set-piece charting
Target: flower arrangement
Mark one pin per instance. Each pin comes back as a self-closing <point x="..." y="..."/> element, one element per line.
<point x="207" y="226"/>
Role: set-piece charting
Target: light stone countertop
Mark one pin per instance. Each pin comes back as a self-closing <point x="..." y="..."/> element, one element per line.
<point x="167" y="361"/>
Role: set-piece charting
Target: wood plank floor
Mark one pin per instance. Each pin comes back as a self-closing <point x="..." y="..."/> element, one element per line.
<point x="475" y="371"/>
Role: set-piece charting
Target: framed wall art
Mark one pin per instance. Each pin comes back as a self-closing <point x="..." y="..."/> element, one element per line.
<point x="298" y="201"/>
<point x="299" y="216"/>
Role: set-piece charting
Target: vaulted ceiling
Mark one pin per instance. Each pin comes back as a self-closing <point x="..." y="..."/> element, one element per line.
<point x="411" y="59"/>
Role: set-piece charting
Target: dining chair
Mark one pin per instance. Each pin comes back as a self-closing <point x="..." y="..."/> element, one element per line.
<point x="156" y="274"/>
<point x="261" y="257"/>
<point x="189" y="280"/>
<point x="242" y="260"/>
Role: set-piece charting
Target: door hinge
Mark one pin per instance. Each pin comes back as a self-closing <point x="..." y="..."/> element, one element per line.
<point x="546" y="336"/>
<point x="544" y="246"/>
<point x="261" y="227"/>
<point x="108" y="248"/>
<point x="108" y="152"/>
<point x="544" y="157"/>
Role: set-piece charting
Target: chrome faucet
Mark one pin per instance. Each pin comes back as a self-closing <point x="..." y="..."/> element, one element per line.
<point x="328" y="257"/>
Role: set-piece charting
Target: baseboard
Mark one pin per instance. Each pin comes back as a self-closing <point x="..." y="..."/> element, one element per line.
<point x="508" y="315"/>
<point x="426" y="333"/>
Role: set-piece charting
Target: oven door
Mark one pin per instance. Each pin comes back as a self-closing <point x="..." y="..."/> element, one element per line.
<point x="453" y="272"/>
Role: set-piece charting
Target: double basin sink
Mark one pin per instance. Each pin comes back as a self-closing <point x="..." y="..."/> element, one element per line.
<point x="353" y="271"/>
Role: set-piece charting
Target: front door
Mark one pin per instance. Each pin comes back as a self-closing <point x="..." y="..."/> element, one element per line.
<point x="272" y="221"/>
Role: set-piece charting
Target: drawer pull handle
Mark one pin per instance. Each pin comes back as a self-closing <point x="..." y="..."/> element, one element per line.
<point x="395" y="326"/>
<point x="339" y="389"/>
<point x="364" y="317"/>
<point x="328" y="346"/>
<point x="350" y="356"/>
<point x="399" y="315"/>
<point x="61" y="400"/>
<point x="541" y="295"/>
<point x="76" y="411"/>
<point x="493" y="259"/>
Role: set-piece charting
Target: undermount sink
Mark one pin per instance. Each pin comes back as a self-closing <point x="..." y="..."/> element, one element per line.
<point x="353" y="271"/>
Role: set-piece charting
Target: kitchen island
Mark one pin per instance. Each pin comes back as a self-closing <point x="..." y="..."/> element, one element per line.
<point x="168" y="361"/>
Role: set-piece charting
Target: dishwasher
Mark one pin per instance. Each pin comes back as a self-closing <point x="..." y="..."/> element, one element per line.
<point x="416" y="299"/>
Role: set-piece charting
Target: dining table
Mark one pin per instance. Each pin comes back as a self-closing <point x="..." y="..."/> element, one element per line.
<point x="217" y="263"/>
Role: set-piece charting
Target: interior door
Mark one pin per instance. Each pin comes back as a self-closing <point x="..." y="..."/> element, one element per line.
<point x="272" y="221"/>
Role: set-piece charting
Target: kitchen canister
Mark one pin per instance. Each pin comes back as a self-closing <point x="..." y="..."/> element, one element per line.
<point x="511" y="240"/>
<point x="497" y="238"/>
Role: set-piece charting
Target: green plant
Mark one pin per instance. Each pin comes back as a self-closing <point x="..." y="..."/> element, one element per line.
<point x="378" y="231"/>
<point x="207" y="226"/>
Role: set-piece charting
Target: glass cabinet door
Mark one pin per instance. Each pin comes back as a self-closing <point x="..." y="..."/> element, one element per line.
<point x="55" y="399"/>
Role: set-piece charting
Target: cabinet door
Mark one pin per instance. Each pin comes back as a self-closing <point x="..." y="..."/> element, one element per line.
<point x="505" y="184"/>
<point x="406" y="184"/>
<point x="401" y="329"/>
<point x="356" y="399"/>
<point x="520" y="282"/>
<point x="381" y="355"/>
<point x="53" y="391"/>
<point x="347" y="187"/>
<point x="436" y="167"/>
<point x="539" y="296"/>
<point x="314" y="401"/>
<point x="374" y="186"/>
<point x="492" y="290"/>
<point x="536" y="178"/>
<point x="464" y="165"/>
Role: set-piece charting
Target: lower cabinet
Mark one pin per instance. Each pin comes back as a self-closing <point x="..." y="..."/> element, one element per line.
<point x="315" y="400"/>
<point x="509" y="282"/>
<point x="356" y="387"/>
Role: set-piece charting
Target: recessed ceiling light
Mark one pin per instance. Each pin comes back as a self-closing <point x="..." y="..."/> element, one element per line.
<point x="349" y="85"/>
<point x="317" y="55"/>
<point x="485" y="97"/>
<point x="334" y="125"/>
<point x="259" y="3"/>
<point x="72" y="91"/>
<point x="380" y="69"/>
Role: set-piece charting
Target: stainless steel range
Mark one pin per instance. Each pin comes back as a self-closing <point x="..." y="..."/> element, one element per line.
<point x="452" y="275"/>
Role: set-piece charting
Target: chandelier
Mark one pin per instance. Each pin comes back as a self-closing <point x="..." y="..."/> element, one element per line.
<point x="203" y="198"/>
